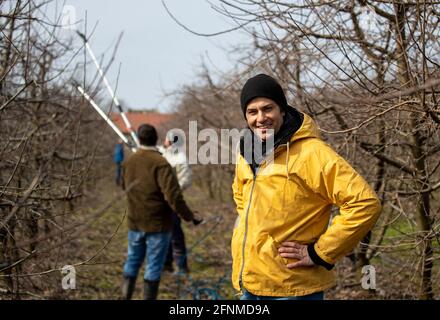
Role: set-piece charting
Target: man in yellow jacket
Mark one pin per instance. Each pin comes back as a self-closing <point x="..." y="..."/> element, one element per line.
<point x="282" y="246"/>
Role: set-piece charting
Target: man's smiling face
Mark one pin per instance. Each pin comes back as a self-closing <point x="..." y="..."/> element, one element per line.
<point x="264" y="117"/>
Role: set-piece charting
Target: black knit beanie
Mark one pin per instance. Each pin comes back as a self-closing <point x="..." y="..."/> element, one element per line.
<point x="265" y="86"/>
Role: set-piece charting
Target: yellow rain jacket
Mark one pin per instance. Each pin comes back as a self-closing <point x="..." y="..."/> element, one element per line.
<point x="290" y="199"/>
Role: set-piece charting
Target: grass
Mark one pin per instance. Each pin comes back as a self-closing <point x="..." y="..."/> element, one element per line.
<point x="209" y="259"/>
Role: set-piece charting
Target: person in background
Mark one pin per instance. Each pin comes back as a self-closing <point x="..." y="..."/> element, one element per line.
<point x="172" y="151"/>
<point x="118" y="158"/>
<point x="153" y="196"/>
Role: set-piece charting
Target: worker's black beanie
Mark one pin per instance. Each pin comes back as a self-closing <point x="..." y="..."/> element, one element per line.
<point x="262" y="85"/>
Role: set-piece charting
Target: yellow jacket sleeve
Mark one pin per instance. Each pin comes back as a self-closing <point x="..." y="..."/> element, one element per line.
<point x="359" y="206"/>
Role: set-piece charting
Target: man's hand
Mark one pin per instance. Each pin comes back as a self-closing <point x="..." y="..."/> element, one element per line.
<point x="298" y="251"/>
<point x="196" y="219"/>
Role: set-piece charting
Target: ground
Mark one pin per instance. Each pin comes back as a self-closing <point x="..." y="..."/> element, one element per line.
<point x="208" y="245"/>
<point x="209" y="255"/>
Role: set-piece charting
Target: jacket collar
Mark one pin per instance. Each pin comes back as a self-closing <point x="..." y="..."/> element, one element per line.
<point x="151" y="148"/>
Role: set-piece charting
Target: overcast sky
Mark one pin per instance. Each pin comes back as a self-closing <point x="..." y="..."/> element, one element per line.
<point x="155" y="54"/>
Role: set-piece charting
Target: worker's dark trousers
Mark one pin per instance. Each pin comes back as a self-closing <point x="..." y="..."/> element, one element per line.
<point x="118" y="173"/>
<point x="177" y="248"/>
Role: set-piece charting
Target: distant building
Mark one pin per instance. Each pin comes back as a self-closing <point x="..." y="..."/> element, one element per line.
<point x="159" y="120"/>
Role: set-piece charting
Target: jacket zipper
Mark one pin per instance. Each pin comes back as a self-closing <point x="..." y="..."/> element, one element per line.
<point x="240" y="281"/>
<point x="245" y="234"/>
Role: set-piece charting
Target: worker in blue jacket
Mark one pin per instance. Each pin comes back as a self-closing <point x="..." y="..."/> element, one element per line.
<point x="118" y="158"/>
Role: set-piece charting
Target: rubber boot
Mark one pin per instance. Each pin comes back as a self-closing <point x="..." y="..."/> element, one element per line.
<point x="128" y="288"/>
<point x="150" y="289"/>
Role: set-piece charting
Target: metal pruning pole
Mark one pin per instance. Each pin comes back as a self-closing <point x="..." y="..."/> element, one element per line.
<point x="104" y="116"/>
<point x="110" y="90"/>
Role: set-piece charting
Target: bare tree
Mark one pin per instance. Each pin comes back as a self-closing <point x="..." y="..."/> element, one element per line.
<point x="48" y="163"/>
<point x="368" y="72"/>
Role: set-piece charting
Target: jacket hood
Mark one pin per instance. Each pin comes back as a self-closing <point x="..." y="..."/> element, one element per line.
<point x="308" y="129"/>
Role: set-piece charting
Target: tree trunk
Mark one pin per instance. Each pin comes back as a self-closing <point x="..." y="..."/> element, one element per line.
<point x="421" y="176"/>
